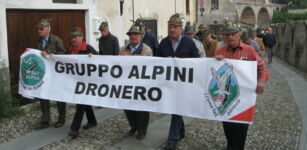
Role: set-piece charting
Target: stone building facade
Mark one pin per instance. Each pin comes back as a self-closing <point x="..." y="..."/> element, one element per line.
<point x="251" y="13"/>
<point x="118" y="13"/>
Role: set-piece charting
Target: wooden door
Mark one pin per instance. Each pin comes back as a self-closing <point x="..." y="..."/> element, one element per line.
<point x="22" y="32"/>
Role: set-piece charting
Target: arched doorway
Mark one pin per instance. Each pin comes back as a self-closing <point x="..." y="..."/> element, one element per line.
<point x="263" y="17"/>
<point x="248" y="16"/>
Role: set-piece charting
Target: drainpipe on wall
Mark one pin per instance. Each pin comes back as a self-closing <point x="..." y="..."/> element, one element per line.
<point x="133" y="10"/>
<point x="196" y="19"/>
<point x="175" y="6"/>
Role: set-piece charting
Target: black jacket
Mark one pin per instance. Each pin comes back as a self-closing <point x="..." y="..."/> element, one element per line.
<point x="269" y="40"/>
<point x="185" y="49"/>
<point x="108" y="45"/>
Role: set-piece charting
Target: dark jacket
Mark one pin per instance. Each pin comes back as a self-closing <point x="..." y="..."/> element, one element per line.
<point x="54" y="45"/>
<point x="185" y="49"/>
<point x="269" y="40"/>
<point x="108" y="45"/>
<point x="151" y="41"/>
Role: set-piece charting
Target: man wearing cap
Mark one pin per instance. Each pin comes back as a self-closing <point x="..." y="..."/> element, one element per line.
<point x="201" y="30"/>
<point x="246" y="39"/>
<point x="80" y="47"/>
<point x="189" y="32"/>
<point x="108" y="43"/>
<point x="209" y="44"/>
<point x="138" y="120"/>
<point x="234" y="49"/>
<point x="49" y="44"/>
<point x="179" y="46"/>
<point x="147" y="37"/>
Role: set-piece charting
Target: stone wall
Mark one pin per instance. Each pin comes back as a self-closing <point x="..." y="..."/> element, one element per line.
<point x="292" y="43"/>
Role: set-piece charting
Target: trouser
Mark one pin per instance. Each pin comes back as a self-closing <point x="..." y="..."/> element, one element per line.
<point x="45" y="108"/>
<point x="138" y="120"/>
<point x="91" y="119"/>
<point x="235" y="134"/>
<point x="269" y="54"/>
<point x="176" y="131"/>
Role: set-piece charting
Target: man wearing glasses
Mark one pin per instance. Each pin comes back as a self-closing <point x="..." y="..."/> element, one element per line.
<point x="49" y="44"/>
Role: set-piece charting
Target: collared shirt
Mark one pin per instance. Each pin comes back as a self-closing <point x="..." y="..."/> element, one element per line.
<point x="246" y="52"/>
<point x="176" y="44"/>
<point x="44" y="41"/>
<point x="133" y="49"/>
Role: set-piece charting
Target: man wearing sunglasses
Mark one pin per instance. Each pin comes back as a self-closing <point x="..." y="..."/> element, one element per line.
<point x="49" y="44"/>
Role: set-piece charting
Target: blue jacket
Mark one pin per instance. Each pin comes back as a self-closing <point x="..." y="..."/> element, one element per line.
<point x="185" y="49"/>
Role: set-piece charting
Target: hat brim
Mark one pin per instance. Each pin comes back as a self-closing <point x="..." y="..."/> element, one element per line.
<point x="230" y="31"/>
<point x="103" y="28"/>
<point x="175" y="24"/>
<point x="42" y="26"/>
<point x="133" y="32"/>
<point x="75" y="34"/>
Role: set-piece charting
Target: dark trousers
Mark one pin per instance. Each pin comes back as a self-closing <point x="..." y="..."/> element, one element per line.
<point x="91" y="119"/>
<point x="176" y="131"/>
<point x="269" y="54"/>
<point x="138" y="120"/>
<point x="235" y="134"/>
<point x="45" y="108"/>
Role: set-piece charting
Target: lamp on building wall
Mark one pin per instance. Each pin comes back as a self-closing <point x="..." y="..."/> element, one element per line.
<point x="121" y="7"/>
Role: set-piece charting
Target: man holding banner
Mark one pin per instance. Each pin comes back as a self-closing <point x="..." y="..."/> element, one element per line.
<point x="49" y="44"/>
<point x="176" y="45"/>
<point x="236" y="132"/>
<point x="80" y="47"/>
<point x="138" y="120"/>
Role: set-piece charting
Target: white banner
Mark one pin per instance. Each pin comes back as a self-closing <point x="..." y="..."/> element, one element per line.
<point x="194" y="87"/>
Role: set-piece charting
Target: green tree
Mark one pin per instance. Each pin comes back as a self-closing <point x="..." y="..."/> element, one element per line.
<point x="281" y="1"/>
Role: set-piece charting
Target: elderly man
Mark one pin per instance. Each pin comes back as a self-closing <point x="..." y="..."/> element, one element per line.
<point x="138" y="120"/>
<point x="147" y="37"/>
<point x="189" y="32"/>
<point x="209" y="44"/>
<point x="49" y="44"/>
<point x="176" y="45"/>
<point x="236" y="132"/>
<point x="78" y="46"/>
<point x="108" y="43"/>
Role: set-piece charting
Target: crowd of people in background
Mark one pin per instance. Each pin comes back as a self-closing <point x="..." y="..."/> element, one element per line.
<point x="181" y="42"/>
